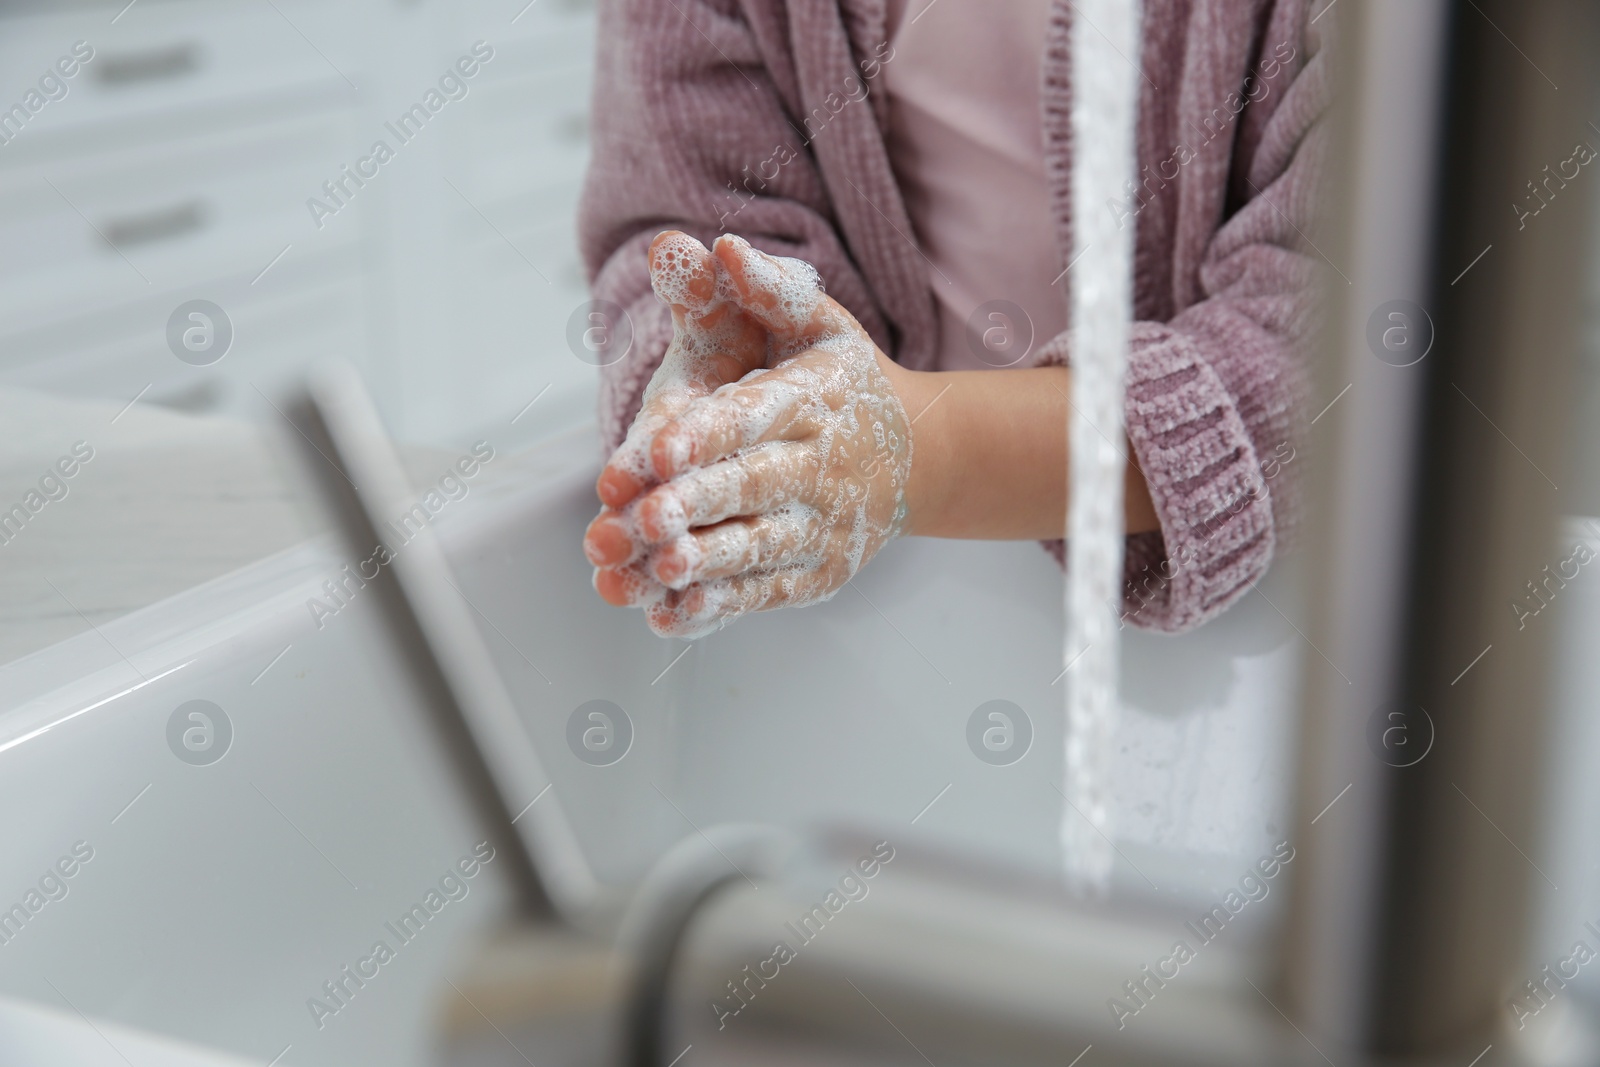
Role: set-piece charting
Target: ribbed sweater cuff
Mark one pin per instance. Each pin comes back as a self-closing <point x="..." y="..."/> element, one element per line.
<point x="1209" y="494"/>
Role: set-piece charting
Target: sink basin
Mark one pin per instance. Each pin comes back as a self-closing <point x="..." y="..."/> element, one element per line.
<point x="227" y="893"/>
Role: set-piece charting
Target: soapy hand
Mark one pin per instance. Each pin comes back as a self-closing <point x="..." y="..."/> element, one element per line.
<point x="771" y="455"/>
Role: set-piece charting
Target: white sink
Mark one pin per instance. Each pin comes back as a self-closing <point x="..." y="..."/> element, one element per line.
<point x="221" y="897"/>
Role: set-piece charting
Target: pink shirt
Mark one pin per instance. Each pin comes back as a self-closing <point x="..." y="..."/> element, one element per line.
<point x="967" y="148"/>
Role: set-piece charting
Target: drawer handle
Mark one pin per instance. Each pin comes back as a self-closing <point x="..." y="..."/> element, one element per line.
<point x="163" y="224"/>
<point x="199" y="399"/>
<point x="172" y="61"/>
<point x="573" y="127"/>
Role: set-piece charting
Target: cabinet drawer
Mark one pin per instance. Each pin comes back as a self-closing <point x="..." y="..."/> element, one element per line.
<point x="542" y="223"/>
<point x="528" y="125"/>
<point x="528" y="132"/>
<point x="275" y="339"/>
<point x="162" y="61"/>
<point x="91" y="231"/>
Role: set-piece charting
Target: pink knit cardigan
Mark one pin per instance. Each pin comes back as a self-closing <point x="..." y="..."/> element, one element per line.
<point x="763" y="117"/>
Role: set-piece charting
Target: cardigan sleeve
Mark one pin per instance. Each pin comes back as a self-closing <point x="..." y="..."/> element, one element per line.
<point x="692" y="130"/>
<point x="1215" y="397"/>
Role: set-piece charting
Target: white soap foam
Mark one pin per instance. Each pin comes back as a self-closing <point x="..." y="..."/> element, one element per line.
<point x="836" y="510"/>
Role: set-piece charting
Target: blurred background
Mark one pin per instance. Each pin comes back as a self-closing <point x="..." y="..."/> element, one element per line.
<point x="247" y="767"/>
<point x="183" y="162"/>
<point x="199" y="131"/>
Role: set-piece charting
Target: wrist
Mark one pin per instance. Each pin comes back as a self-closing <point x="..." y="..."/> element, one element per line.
<point x="917" y="392"/>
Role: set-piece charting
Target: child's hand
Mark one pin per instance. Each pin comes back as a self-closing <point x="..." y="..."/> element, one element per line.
<point x="778" y="487"/>
<point x="713" y="343"/>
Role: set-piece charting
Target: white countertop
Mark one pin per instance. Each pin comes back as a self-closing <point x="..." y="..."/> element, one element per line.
<point x="169" y="501"/>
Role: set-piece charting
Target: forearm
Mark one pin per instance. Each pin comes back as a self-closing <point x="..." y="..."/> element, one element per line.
<point x="989" y="455"/>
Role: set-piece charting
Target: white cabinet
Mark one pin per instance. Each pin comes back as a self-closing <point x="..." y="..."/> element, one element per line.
<point x="185" y="159"/>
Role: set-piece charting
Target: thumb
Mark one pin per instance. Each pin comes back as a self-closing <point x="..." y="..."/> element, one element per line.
<point x="713" y="342"/>
<point x="783" y="294"/>
<point x="682" y="272"/>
